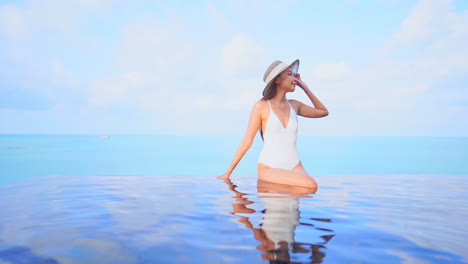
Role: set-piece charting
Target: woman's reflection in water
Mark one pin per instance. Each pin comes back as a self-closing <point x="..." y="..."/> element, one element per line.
<point x="280" y="218"/>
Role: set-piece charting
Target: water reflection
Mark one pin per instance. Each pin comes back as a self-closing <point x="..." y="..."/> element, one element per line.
<point x="280" y="219"/>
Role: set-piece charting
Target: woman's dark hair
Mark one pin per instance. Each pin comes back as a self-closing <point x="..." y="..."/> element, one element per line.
<point x="269" y="93"/>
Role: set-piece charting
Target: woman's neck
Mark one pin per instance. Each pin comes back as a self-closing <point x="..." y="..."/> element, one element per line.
<point x="279" y="98"/>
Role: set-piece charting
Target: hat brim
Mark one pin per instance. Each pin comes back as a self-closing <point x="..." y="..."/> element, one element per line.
<point x="294" y="66"/>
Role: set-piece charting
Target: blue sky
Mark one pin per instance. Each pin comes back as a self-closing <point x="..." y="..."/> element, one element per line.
<point x="382" y="68"/>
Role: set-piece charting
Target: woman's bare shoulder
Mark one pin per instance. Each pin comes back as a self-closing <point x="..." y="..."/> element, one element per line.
<point x="261" y="102"/>
<point x="294" y="101"/>
<point x="295" y="104"/>
<point x="261" y="106"/>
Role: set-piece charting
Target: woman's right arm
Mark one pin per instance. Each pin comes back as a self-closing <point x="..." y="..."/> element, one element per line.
<point x="254" y="124"/>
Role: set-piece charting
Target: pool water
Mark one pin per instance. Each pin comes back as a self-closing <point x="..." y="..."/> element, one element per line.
<point x="358" y="218"/>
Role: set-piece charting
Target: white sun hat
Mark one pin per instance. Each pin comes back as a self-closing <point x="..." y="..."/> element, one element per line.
<point x="275" y="69"/>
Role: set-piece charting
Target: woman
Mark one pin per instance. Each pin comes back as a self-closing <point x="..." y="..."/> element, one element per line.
<point x="276" y="117"/>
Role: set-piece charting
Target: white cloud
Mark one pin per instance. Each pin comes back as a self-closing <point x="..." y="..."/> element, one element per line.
<point x="162" y="65"/>
<point x="242" y="56"/>
<point x="215" y="97"/>
<point x="183" y="101"/>
<point x="161" y="48"/>
<point x="442" y="57"/>
<point x="427" y="19"/>
<point x="250" y="8"/>
<point x="401" y="92"/>
<point x="219" y="19"/>
<point x="331" y="71"/>
<point x="158" y="60"/>
<point x="60" y="76"/>
<point x="13" y="21"/>
<point x="39" y="17"/>
<point x="458" y="23"/>
<point x="243" y="62"/>
<point x="241" y="93"/>
<point x="114" y="89"/>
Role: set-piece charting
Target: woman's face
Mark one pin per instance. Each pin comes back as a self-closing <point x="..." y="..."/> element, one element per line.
<point x="287" y="80"/>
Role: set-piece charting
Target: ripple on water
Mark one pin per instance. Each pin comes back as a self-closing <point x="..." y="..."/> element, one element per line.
<point x="173" y="219"/>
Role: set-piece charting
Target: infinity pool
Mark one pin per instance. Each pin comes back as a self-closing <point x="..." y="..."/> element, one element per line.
<point x="182" y="219"/>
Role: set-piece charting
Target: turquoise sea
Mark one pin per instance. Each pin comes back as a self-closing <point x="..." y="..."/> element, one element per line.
<point x="155" y="199"/>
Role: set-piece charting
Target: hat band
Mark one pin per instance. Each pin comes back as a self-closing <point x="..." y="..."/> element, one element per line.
<point x="277" y="70"/>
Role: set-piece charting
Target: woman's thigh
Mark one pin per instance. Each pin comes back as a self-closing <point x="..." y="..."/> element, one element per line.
<point x="266" y="187"/>
<point x="300" y="169"/>
<point x="297" y="176"/>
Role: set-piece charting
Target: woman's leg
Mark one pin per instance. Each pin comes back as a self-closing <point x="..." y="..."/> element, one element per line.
<point x="300" y="169"/>
<point x="297" y="176"/>
<point x="266" y="187"/>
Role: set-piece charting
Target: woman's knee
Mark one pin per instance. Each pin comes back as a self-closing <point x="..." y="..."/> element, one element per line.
<point x="311" y="182"/>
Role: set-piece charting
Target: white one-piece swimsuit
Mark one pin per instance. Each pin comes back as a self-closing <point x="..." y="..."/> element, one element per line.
<point x="279" y="146"/>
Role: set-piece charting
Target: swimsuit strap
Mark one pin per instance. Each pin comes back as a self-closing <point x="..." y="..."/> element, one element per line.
<point x="269" y="103"/>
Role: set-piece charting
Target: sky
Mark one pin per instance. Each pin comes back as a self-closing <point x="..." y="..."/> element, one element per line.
<point x="382" y="67"/>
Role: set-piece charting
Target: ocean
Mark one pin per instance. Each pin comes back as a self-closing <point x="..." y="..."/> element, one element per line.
<point x="155" y="199"/>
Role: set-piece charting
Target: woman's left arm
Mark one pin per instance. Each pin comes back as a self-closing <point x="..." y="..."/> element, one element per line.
<point x="307" y="111"/>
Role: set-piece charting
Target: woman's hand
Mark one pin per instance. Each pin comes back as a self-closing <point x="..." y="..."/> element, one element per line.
<point x="299" y="81"/>
<point x="223" y="177"/>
